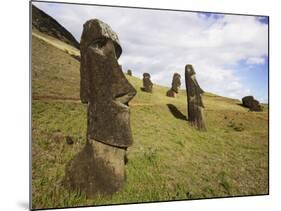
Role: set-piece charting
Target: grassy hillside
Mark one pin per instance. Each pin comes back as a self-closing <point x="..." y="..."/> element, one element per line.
<point x="169" y="160"/>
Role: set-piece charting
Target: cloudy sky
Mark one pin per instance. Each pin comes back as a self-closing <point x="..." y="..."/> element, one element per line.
<point x="229" y="52"/>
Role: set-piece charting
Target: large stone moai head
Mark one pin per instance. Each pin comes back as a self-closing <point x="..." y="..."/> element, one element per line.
<point x="176" y="83"/>
<point x="147" y="84"/>
<point x="194" y="99"/>
<point x="107" y="89"/>
<point x="99" y="36"/>
<point x="100" y="166"/>
<point x="251" y="103"/>
<point x="129" y="72"/>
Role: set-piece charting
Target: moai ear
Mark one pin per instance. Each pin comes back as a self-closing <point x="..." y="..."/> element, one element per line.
<point x="84" y="80"/>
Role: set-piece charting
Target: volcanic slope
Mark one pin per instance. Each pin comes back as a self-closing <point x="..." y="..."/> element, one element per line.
<point x="169" y="159"/>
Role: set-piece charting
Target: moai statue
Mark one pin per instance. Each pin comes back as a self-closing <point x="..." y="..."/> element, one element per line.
<point x="251" y="103"/>
<point x="176" y="83"/>
<point x="194" y="99"/>
<point x="129" y="72"/>
<point x="147" y="84"/>
<point x="100" y="166"/>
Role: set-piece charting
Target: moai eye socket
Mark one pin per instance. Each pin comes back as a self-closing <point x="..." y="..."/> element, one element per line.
<point x="99" y="43"/>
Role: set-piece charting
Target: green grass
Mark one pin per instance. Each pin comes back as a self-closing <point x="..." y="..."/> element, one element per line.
<point x="169" y="159"/>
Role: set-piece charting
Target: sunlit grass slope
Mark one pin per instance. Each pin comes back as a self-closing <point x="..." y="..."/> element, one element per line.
<point x="169" y="160"/>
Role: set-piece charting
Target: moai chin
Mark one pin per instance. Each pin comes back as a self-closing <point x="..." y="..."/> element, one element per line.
<point x="176" y="83"/>
<point x="195" y="108"/>
<point x="147" y="84"/>
<point x="100" y="166"/>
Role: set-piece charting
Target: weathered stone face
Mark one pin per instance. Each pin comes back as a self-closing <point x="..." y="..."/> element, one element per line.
<point x="95" y="32"/>
<point x="194" y="99"/>
<point x="147" y="84"/>
<point x="176" y="83"/>
<point x="109" y="92"/>
<point x="251" y="103"/>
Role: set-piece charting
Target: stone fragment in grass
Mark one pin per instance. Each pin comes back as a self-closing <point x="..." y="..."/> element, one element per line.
<point x="69" y="140"/>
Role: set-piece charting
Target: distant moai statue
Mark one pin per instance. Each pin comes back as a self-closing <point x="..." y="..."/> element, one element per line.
<point x="147" y="84"/>
<point x="129" y="72"/>
<point x="195" y="108"/>
<point x="251" y="103"/>
<point x="100" y="166"/>
<point x="176" y="83"/>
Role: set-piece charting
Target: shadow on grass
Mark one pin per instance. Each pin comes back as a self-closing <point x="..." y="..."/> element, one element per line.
<point x="144" y="90"/>
<point x="176" y="112"/>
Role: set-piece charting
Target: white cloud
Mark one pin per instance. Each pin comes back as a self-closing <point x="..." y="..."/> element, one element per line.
<point x="163" y="42"/>
<point x="255" y="60"/>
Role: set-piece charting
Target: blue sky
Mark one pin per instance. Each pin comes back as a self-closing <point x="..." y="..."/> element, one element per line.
<point x="229" y="52"/>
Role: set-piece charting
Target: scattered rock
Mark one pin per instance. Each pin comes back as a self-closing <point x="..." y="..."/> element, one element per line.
<point x="238" y="128"/>
<point x="69" y="140"/>
<point x="251" y="103"/>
